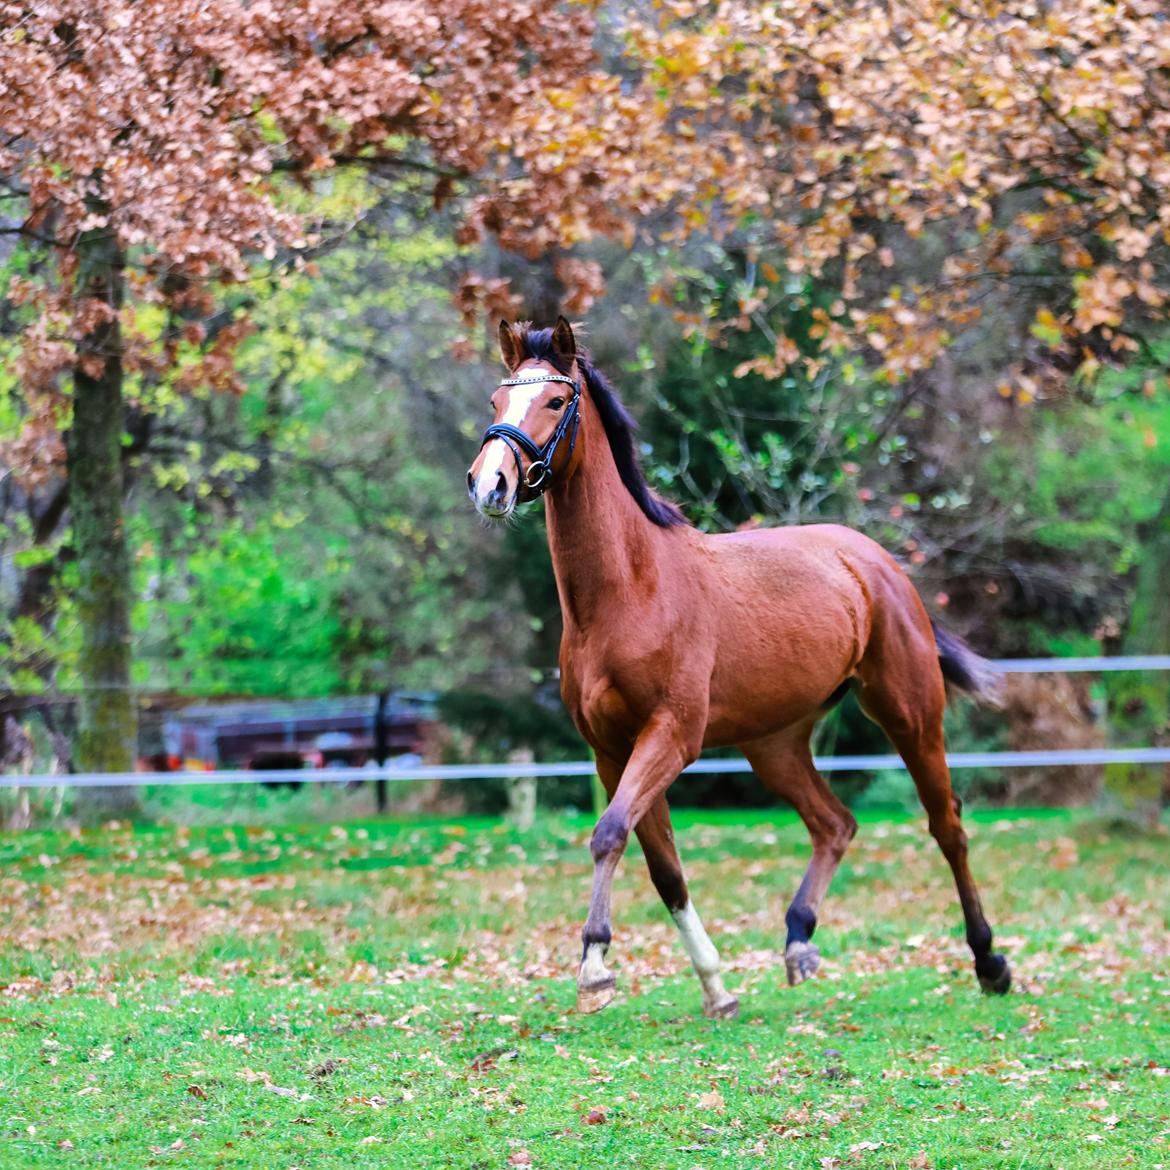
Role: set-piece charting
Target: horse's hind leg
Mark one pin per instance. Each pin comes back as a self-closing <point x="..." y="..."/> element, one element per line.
<point x="666" y="872"/>
<point x="912" y="717"/>
<point x="784" y="764"/>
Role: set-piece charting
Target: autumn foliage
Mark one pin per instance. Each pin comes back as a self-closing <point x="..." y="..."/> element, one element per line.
<point x="166" y="130"/>
<point x="918" y="158"/>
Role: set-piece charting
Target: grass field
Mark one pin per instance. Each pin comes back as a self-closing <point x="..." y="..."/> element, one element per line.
<point x="400" y="995"/>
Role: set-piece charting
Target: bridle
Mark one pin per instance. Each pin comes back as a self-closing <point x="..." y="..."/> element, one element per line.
<point x="541" y="457"/>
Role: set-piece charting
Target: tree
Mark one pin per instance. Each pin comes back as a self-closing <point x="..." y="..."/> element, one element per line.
<point x="312" y="536"/>
<point x="147" y="158"/>
<point x="919" y="158"/>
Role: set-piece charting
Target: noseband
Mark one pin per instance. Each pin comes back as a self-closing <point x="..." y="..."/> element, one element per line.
<point x="541" y="457"/>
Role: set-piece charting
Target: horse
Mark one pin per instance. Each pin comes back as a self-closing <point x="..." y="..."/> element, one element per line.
<point x="676" y="640"/>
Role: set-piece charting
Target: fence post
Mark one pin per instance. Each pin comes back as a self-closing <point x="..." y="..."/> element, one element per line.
<point x="381" y="747"/>
<point x="521" y="792"/>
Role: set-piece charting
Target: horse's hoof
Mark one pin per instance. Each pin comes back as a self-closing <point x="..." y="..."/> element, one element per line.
<point x="593" y="999"/>
<point x="721" y="1009"/>
<point x="801" y="960"/>
<point x="996" y="976"/>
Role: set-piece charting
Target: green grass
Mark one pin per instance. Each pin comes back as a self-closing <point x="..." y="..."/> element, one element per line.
<point x="401" y="994"/>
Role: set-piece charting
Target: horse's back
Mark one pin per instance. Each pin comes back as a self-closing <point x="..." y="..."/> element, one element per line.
<point x="800" y="540"/>
<point x="829" y="557"/>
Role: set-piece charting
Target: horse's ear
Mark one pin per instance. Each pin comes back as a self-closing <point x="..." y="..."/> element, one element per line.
<point x="509" y="346"/>
<point x="563" y="342"/>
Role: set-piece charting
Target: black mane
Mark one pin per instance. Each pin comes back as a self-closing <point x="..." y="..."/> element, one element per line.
<point x="620" y="428"/>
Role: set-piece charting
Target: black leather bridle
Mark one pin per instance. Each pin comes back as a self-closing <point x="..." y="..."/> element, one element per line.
<point x="541" y="457"/>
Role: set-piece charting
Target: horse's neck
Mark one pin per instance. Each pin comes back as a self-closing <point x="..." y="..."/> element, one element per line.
<point x="605" y="551"/>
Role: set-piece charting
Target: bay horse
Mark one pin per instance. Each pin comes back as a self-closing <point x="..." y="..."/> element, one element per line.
<point x="675" y="640"/>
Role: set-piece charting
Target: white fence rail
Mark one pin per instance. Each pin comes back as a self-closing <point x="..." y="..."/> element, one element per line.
<point x="572" y="768"/>
<point x="1082" y="665"/>
<point x="957" y="760"/>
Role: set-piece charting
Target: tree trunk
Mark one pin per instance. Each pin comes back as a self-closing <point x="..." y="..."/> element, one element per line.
<point x="107" y="734"/>
<point x="1139" y="704"/>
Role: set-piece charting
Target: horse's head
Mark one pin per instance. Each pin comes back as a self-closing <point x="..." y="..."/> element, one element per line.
<point x="529" y="445"/>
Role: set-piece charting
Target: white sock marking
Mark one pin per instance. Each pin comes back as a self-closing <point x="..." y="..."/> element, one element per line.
<point x="702" y="951"/>
<point x="593" y="968"/>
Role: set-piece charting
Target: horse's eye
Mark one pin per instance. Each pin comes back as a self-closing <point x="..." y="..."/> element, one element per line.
<point x="556" y="404"/>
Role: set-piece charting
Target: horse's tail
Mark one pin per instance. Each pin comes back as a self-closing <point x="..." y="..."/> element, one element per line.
<point x="966" y="671"/>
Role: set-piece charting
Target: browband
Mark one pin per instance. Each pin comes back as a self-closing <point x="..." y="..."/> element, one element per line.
<point x="544" y="378"/>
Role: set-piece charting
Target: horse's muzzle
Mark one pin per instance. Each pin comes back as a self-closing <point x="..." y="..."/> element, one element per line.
<point x="495" y="504"/>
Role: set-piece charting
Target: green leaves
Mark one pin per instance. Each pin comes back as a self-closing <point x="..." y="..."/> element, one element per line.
<point x="244" y="617"/>
<point x="25" y="651"/>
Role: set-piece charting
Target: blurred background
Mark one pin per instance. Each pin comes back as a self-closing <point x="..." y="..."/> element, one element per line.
<point x="910" y="277"/>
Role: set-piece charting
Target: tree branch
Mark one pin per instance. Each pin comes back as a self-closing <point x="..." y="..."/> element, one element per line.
<point x="372" y="161"/>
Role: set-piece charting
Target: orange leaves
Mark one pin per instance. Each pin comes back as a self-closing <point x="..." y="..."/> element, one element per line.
<point x="902" y="139"/>
<point x="1100" y="297"/>
<point x="786" y="354"/>
<point x="90" y="313"/>
<point x="862" y="143"/>
<point x="712" y="1100"/>
<point x="177" y="127"/>
<point x="583" y="282"/>
<point x="478" y="296"/>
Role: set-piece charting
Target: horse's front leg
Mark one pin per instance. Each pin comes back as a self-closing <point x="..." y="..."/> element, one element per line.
<point x="660" y="753"/>
<point x="657" y="838"/>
